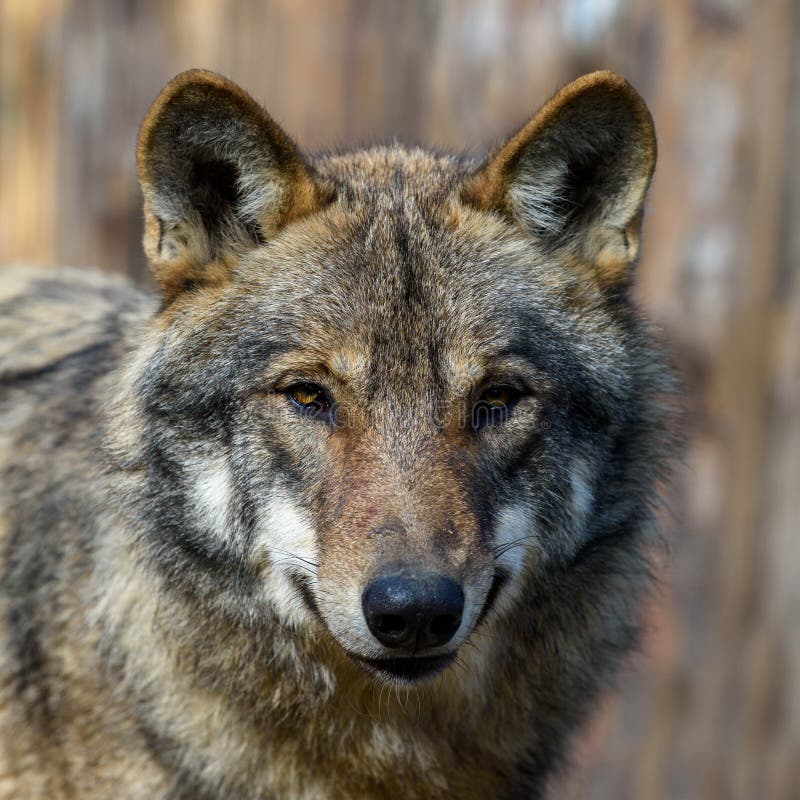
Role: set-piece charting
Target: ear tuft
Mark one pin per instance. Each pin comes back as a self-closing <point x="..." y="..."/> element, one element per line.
<point x="219" y="177"/>
<point x="575" y="176"/>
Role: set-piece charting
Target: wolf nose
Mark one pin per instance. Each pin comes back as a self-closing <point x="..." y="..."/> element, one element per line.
<point x="413" y="611"/>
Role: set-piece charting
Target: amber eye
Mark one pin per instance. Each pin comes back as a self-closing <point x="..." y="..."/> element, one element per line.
<point x="494" y="405"/>
<point x="310" y="398"/>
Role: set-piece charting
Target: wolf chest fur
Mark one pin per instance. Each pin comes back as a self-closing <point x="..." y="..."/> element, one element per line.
<point x="359" y="504"/>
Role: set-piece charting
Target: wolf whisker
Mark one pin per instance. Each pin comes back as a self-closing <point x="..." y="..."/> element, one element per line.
<point x="290" y="554"/>
<point x="504" y="548"/>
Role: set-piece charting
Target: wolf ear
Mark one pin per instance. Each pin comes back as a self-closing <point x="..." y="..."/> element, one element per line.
<point x="575" y="176"/>
<point x="218" y="175"/>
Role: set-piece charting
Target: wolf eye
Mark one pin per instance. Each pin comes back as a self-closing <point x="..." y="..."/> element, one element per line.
<point x="310" y="398"/>
<point x="494" y="405"/>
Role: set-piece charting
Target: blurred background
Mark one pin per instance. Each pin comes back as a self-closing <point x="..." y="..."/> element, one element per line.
<point x="711" y="708"/>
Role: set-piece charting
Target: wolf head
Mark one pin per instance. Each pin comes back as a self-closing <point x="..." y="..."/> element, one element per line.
<point x="389" y="394"/>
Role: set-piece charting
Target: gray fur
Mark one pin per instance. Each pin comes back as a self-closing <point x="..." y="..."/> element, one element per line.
<point x="159" y="639"/>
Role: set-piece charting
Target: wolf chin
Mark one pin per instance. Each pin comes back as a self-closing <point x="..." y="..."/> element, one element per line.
<point x="360" y="504"/>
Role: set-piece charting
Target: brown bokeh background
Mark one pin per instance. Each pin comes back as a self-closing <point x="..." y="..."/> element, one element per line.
<point x="711" y="709"/>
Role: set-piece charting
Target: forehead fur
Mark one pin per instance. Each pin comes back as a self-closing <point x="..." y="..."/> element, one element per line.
<point x="401" y="172"/>
<point x="399" y="247"/>
<point x="406" y="287"/>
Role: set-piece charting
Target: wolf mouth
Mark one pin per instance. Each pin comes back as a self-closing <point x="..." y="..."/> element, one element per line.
<point x="409" y="669"/>
<point x="303" y="587"/>
<point x="499" y="580"/>
<point x="405" y="668"/>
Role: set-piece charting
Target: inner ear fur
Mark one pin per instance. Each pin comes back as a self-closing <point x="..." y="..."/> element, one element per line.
<point x="576" y="174"/>
<point x="218" y="175"/>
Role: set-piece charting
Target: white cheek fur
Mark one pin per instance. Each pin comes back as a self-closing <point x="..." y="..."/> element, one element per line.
<point x="289" y="534"/>
<point x="212" y="492"/>
<point x="286" y="535"/>
<point x="582" y="492"/>
<point x="514" y="536"/>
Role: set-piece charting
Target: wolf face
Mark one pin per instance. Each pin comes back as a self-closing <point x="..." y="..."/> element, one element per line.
<point x="389" y="393"/>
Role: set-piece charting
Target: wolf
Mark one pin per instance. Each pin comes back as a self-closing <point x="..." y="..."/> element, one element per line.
<point x="359" y="503"/>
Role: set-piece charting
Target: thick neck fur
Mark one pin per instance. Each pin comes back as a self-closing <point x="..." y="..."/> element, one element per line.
<point x="263" y="704"/>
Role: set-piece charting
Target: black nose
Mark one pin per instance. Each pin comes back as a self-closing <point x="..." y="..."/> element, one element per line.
<point x="413" y="611"/>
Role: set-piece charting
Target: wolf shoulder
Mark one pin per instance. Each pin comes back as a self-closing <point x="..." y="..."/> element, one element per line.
<point x="63" y="334"/>
<point x="52" y="319"/>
